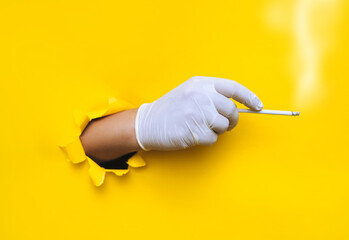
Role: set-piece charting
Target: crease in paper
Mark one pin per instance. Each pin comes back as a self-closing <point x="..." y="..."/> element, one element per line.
<point x="74" y="151"/>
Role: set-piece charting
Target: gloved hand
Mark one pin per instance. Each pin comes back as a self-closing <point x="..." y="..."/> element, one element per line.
<point x="192" y="114"/>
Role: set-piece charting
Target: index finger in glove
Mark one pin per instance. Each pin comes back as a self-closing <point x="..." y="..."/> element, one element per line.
<point x="238" y="92"/>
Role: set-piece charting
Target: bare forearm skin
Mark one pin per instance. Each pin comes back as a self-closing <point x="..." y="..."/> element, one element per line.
<point x="110" y="137"/>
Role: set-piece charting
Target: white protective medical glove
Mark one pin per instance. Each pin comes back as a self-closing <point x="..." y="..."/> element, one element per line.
<point x="192" y="114"/>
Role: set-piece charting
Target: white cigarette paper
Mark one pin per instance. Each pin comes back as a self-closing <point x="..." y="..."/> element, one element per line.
<point x="272" y="112"/>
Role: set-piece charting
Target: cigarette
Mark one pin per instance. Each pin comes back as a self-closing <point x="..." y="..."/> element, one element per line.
<point x="273" y="112"/>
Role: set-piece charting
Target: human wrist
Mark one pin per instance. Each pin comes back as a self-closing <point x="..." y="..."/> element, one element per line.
<point x="138" y="127"/>
<point x="110" y="137"/>
<point x="131" y="132"/>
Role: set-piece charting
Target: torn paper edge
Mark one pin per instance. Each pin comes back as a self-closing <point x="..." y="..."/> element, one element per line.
<point x="73" y="148"/>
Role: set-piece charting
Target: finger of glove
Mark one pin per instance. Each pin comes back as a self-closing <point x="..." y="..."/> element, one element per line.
<point x="220" y="124"/>
<point x="215" y="121"/>
<point x="208" y="138"/>
<point x="227" y="108"/>
<point x="235" y="117"/>
<point x="238" y="92"/>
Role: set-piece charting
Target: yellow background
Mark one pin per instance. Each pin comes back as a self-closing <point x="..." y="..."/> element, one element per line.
<point x="272" y="177"/>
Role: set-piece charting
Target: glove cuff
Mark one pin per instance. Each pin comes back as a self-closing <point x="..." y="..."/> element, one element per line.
<point x="137" y="122"/>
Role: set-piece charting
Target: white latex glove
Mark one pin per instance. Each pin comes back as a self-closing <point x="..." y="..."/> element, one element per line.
<point x="192" y="114"/>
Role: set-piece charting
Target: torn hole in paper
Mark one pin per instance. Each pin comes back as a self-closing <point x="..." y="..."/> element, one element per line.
<point x="75" y="153"/>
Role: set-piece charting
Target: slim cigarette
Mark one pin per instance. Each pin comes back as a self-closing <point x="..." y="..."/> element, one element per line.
<point x="273" y="112"/>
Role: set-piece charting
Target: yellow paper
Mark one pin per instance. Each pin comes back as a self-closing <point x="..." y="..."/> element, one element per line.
<point x="272" y="177"/>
